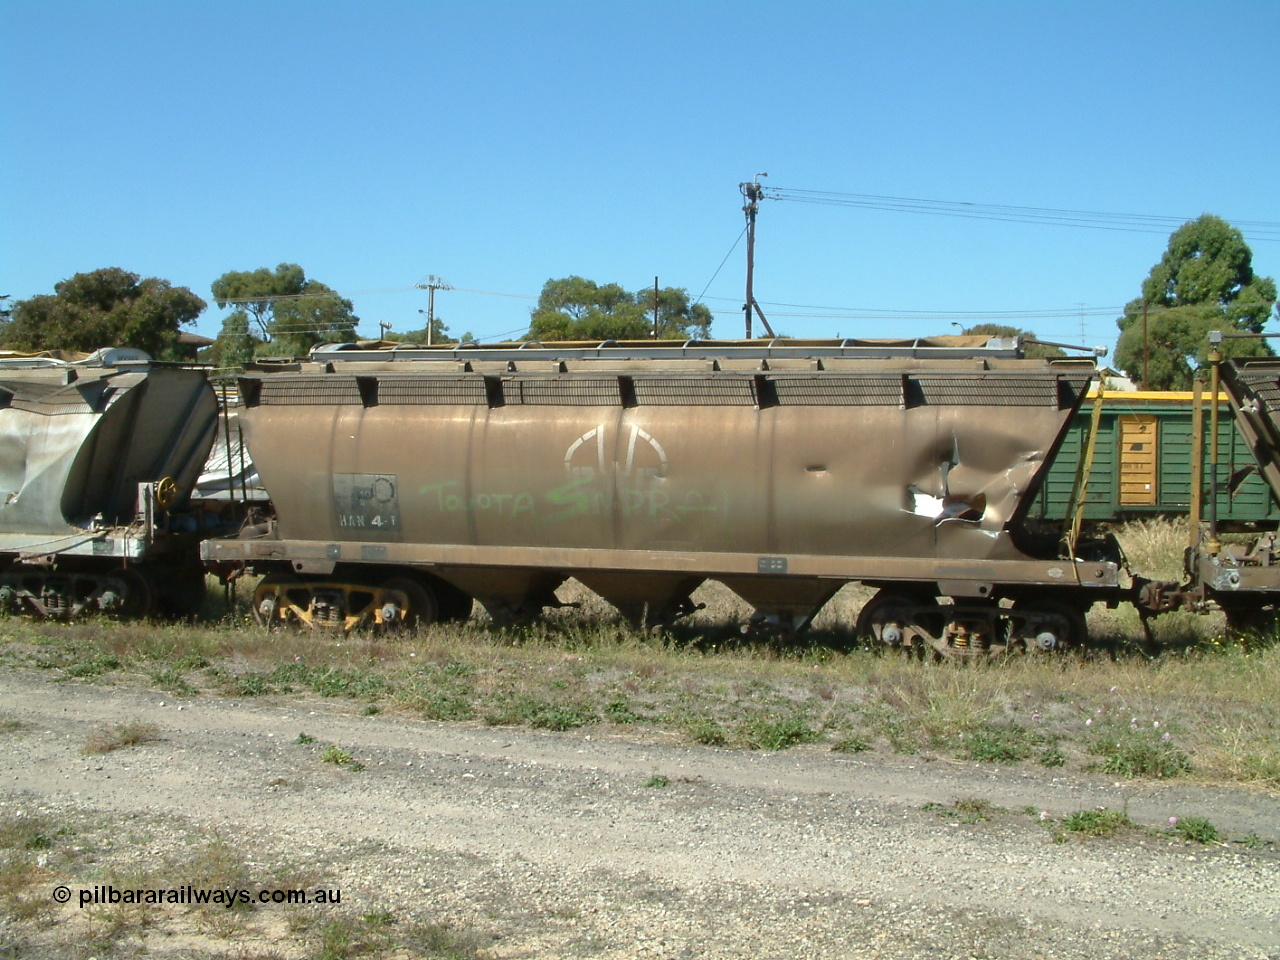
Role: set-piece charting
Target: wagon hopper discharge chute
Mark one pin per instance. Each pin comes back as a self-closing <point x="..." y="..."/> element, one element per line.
<point x="408" y="481"/>
<point x="97" y="460"/>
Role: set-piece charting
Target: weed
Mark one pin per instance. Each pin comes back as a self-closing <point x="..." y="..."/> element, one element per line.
<point x="767" y="732"/>
<point x="457" y="670"/>
<point x="851" y="743"/>
<point x="706" y="731"/>
<point x="974" y="809"/>
<point x="1140" y="753"/>
<point x="618" y="710"/>
<point x="219" y="864"/>
<point x="304" y="738"/>
<point x="328" y="681"/>
<point x="1195" y="829"/>
<point x="121" y="735"/>
<point x="1052" y="756"/>
<point x="657" y="782"/>
<point x="19" y="831"/>
<point x="1252" y="841"/>
<point x="338" y="940"/>
<point x="439" y="692"/>
<point x="1096" y="823"/>
<point x="171" y="681"/>
<point x="19" y="894"/>
<point x="250" y="685"/>
<point x="967" y="810"/>
<point x="372" y="710"/>
<point x="445" y="706"/>
<point x="93" y="666"/>
<point x="540" y="714"/>
<point x="1260" y="769"/>
<point x="989" y="743"/>
<point x="340" y="758"/>
<point x="442" y="940"/>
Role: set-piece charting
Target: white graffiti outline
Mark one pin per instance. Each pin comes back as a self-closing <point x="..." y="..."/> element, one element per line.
<point x="598" y="434"/>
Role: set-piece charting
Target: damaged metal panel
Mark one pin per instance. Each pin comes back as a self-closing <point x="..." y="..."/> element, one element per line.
<point x="76" y="440"/>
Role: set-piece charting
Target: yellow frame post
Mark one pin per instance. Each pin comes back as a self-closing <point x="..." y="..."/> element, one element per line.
<point x="1086" y="465"/>
<point x="1213" y="544"/>
<point x="1197" y="460"/>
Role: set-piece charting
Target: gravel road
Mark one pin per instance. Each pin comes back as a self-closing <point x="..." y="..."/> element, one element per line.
<point x="564" y="845"/>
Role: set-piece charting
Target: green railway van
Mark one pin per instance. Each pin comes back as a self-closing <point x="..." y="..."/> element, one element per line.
<point x="1142" y="464"/>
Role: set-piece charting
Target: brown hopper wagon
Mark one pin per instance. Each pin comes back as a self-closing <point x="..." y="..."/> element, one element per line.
<point x="407" y="482"/>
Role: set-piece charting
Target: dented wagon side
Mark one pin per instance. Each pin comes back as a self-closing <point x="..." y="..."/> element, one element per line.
<point x="97" y="460"/>
<point x="783" y="471"/>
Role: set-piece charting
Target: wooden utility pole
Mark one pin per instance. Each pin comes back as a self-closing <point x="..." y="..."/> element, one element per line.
<point x="752" y="192"/>
<point x="431" y="284"/>
<point x="655" y="308"/>
<point x="1145" y="351"/>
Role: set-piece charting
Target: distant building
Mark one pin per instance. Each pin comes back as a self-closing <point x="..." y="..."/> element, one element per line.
<point x="190" y="344"/>
<point x="1113" y="380"/>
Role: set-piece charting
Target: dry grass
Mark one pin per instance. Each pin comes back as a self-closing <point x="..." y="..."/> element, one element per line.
<point x="85" y="852"/>
<point x="120" y="736"/>
<point x="1154" y="547"/>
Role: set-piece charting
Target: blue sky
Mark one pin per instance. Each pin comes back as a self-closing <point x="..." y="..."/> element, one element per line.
<point x="497" y="145"/>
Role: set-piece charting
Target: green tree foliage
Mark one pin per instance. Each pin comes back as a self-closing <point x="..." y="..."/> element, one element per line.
<point x="279" y="312"/>
<point x="1001" y="330"/>
<point x="1204" y="281"/>
<point x="577" y="309"/>
<point x="105" y="308"/>
<point x="439" y="334"/>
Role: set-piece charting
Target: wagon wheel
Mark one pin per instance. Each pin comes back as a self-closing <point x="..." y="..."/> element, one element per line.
<point x="453" y="604"/>
<point x="1053" y="625"/>
<point x="889" y="619"/>
<point x="180" y="589"/>
<point x="421" y="609"/>
<point x="139" y="596"/>
<point x="266" y="600"/>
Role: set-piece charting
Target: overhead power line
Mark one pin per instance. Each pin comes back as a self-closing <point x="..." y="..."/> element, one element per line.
<point x="877" y="312"/>
<point x="1265" y="230"/>
<point x="698" y="299"/>
<point x="332" y="295"/>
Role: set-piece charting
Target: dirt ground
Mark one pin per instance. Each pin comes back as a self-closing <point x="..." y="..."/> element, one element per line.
<point x="600" y="843"/>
